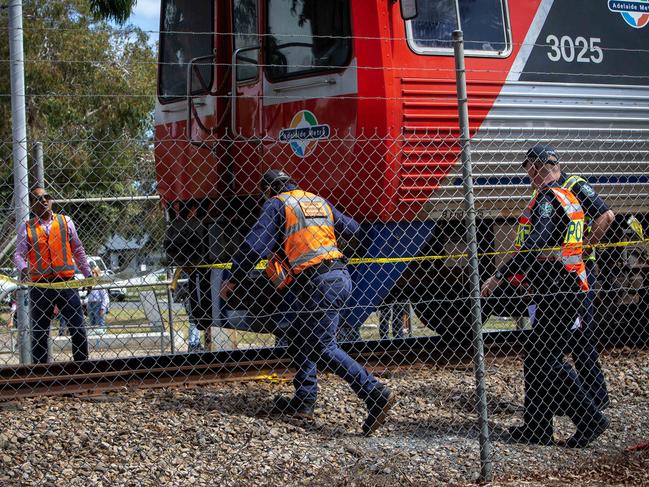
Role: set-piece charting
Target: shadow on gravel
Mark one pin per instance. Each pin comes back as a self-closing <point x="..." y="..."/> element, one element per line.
<point x="435" y="428"/>
<point x="254" y="403"/>
<point x="455" y="398"/>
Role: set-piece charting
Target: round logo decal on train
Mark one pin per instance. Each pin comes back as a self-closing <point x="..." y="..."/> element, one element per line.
<point x="304" y="133"/>
<point x="634" y="12"/>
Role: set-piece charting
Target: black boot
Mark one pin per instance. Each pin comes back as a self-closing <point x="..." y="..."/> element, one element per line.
<point x="587" y="434"/>
<point x="378" y="405"/>
<point x="284" y="406"/>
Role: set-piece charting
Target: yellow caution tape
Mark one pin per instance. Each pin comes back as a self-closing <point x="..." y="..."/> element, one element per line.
<point x="175" y="278"/>
<point x="71" y="284"/>
<point x="272" y="378"/>
<point x="79" y="283"/>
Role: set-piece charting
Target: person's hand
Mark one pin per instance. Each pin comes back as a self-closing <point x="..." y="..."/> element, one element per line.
<point x="24" y="275"/>
<point x="226" y="289"/>
<point x="489" y="286"/>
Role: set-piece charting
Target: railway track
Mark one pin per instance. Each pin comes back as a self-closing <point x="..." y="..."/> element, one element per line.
<point x="208" y="367"/>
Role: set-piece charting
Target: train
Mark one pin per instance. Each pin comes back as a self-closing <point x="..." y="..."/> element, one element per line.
<point x="357" y="101"/>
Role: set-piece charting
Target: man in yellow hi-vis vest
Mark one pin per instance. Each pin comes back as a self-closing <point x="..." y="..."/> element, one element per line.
<point x="597" y="220"/>
<point x="297" y="231"/>
<point x="551" y="256"/>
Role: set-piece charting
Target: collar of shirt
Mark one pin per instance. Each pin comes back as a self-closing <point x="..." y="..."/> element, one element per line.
<point x="47" y="220"/>
<point x="551" y="184"/>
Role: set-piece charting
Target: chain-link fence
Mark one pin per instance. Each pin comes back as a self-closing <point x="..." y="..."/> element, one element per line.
<point x="300" y="221"/>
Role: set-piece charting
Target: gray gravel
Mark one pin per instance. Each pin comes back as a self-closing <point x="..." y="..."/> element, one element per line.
<point x="216" y="435"/>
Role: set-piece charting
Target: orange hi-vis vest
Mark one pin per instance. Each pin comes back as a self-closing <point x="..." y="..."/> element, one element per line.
<point x="571" y="252"/>
<point x="50" y="256"/>
<point x="308" y="236"/>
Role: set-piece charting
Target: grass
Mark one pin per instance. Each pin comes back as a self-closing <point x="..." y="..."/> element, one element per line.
<point x="121" y="321"/>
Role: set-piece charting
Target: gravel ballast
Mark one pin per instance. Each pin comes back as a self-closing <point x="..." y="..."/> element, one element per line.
<point x="217" y="435"/>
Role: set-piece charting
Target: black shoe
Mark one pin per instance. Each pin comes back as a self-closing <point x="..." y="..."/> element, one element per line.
<point x="583" y="438"/>
<point x="283" y="406"/>
<point x="195" y="348"/>
<point x="525" y="434"/>
<point x="378" y="406"/>
<point x="599" y="403"/>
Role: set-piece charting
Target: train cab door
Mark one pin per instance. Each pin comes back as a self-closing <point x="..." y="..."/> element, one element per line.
<point x="246" y="94"/>
<point x="187" y="108"/>
<point x="310" y="87"/>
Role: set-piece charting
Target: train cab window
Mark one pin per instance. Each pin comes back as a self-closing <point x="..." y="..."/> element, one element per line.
<point x="186" y="32"/>
<point x="485" y="25"/>
<point x="246" y="36"/>
<point x="306" y="36"/>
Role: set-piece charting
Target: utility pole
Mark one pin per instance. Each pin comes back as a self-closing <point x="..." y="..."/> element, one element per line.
<point x="19" y="135"/>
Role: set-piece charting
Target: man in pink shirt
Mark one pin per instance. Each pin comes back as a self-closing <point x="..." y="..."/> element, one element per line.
<point x="47" y="250"/>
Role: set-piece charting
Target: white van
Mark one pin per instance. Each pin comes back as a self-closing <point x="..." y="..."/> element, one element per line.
<point x="116" y="293"/>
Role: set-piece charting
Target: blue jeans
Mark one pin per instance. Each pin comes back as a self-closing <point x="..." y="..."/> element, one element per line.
<point x="194" y="336"/>
<point x="42" y="308"/>
<point x="315" y="302"/>
<point x="63" y="326"/>
<point x="97" y="318"/>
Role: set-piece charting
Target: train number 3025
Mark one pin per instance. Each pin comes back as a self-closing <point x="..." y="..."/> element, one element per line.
<point x="580" y="49"/>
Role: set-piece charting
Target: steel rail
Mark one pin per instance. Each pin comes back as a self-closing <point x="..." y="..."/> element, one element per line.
<point x="95" y="376"/>
<point x="188" y="369"/>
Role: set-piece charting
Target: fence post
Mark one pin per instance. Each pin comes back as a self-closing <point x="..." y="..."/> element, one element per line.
<point x="19" y="133"/>
<point x="38" y="166"/>
<point x="170" y="312"/>
<point x="472" y="243"/>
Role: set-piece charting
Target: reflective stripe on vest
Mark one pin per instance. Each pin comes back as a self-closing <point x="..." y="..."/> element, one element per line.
<point x="50" y="256"/>
<point x="572" y="246"/>
<point x="569" y="183"/>
<point x="309" y="231"/>
<point x="278" y="272"/>
<point x="524" y="223"/>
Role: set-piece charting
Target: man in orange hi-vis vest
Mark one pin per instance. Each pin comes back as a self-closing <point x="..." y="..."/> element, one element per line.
<point x="47" y="250"/>
<point x="551" y="256"/>
<point x="297" y="230"/>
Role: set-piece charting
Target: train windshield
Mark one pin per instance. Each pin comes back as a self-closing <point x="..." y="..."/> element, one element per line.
<point x="186" y="33"/>
<point x="306" y="36"/>
<point x="483" y="22"/>
<point x="246" y="36"/>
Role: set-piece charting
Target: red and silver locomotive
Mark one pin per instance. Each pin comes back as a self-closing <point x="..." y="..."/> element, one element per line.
<point x="357" y="101"/>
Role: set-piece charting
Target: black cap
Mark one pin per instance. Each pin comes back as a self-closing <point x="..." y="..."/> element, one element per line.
<point x="542" y="153"/>
<point x="275" y="178"/>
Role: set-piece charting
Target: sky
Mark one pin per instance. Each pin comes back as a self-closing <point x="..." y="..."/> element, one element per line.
<point x="146" y="16"/>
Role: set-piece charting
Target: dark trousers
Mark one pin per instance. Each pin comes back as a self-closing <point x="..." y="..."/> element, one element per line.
<point x="550" y="382"/>
<point x="42" y="309"/>
<point x="315" y="301"/>
<point x="583" y="345"/>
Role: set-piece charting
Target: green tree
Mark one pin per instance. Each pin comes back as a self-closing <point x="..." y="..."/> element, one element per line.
<point x="90" y="99"/>
<point x="117" y="10"/>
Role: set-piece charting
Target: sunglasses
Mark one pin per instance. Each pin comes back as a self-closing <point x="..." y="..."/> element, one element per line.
<point x="534" y="162"/>
<point x="42" y="197"/>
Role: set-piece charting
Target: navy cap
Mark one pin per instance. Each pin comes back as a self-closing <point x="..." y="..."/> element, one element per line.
<point x="542" y="153"/>
<point x="274" y="177"/>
